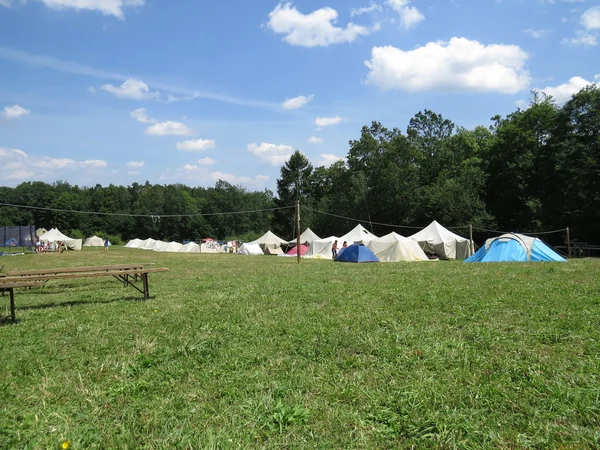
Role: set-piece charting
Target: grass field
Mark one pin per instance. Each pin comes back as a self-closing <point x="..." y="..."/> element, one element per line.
<point x="259" y="352"/>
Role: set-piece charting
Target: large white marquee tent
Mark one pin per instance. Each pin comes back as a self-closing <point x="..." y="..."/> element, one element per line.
<point x="54" y="235"/>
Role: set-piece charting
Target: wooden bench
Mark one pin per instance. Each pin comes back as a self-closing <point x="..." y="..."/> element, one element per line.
<point x="127" y="273"/>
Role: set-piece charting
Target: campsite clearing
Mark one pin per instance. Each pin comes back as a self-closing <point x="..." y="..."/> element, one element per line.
<point x="260" y="352"/>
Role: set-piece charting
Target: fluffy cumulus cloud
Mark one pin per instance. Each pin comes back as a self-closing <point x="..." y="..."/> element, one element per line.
<point x="196" y="145"/>
<point x="14" y="112"/>
<point x="169" y="128"/>
<point x="132" y="89"/>
<point x="106" y="7"/>
<point x="327" y="159"/>
<point x="315" y="140"/>
<point x="591" y="18"/>
<point x="19" y="166"/>
<point x="563" y="92"/>
<point x="589" y="35"/>
<point x="297" y="102"/>
<point x="236" y="179"/>
<point x="327" y="121"/>
<point x="458" y="65"/>
<point x="316" y="29"/>
<point x="409" y="15"/>
<point x="141" y="115"/>
<point x="272" y="154"/>
<point x="207" y="161"/>
<point x="136" y="164"/>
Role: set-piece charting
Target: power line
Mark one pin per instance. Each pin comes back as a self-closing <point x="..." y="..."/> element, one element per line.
<point x="362" y="220"/>
<point x="152" y="216"/>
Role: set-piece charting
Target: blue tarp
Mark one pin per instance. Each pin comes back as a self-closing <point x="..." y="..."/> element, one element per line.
<point x="511" y="250"/>
<point x="357" y="253"/>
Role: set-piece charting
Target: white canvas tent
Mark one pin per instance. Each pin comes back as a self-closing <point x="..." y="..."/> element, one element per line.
<point x="190" y="247"/>
<point x="250" y="248"/>
<point x="446" y="244"/>
<point x="148" y="244"/>
<point x="94" y="241"/>
<point x="210" y="248"/>
<point x="321" y="248"/>
<point x="134" y="243"/>
<point x="170" y="247"/>
<point x="308" y="236"/>
<point x="270" y="240"/>
<point x="358" y="235"/>
<point x="54" y="235"/>
<point x="159" y="246"/>
<point x="393" y="247"/>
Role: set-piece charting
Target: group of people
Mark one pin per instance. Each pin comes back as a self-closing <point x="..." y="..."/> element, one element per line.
<point x="45" y="246"/>
<point x="334" y="248"/>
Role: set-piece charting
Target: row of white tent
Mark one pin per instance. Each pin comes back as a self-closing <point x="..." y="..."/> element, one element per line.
<point x="433" y="239"/>
<point x="174" y="247"/>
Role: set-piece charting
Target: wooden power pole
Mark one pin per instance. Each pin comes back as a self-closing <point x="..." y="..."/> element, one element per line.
<point x="298" y="230"/>
<point x="568" y="242"/>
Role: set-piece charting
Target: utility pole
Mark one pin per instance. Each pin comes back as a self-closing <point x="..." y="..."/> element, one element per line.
<point x="298" y="230"/>
<point x="471" y="244"/>
<point x="298" y="255"/>
<point x="568" y="242"/>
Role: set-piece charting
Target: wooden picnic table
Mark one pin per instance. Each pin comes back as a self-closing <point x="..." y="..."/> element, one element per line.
<point x="122" y="272"/>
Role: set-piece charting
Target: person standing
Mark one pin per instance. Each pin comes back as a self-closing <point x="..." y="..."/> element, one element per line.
<point x="105" y="244"/>
<point x="334" y="252"/>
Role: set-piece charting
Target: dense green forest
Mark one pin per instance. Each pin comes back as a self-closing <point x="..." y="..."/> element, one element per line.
<point x="536" y="169"/>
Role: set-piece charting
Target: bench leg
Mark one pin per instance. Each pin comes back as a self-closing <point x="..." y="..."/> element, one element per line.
<point x="12" y="305"/>
<point x="145" y="282"/>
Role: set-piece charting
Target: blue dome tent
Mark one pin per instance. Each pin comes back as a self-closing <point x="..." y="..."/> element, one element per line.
<point x="516" y="248"/>
<point x="356" y="253"/>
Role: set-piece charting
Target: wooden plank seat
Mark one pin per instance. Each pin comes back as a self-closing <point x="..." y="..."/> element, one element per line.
<point x="31" y="278"/>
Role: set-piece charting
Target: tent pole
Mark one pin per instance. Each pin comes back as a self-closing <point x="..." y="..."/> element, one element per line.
<point x="298" y="229"/>
<point x="568" y="242"/>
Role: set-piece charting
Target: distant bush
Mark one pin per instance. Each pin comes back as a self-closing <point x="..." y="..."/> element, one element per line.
<point x="77" y="234"/>
<point x="246" y="237"/>
<point x="115" y="239"/>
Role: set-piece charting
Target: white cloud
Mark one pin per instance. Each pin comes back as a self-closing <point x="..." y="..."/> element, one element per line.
<point x="93" y="164"/>
<point x="169" y="128"/>
<point x="327" y="159"/>
<point x="297" y="102"/>
<point x="327" y="121"/>
<point x="583" y="38"/>
<point x="19" y="166"/>
<point x="591" y="18"/>
<point x="316" y="29"/>
<point x="136" y="164"/>
<point x="106" y="7"/>
<point x="206" y="161"/>
<point x="458" y="65"/>
<point x="201" y="162"/>
<point x="563" y="92"/>
<point x="409" y="15"/>
<point x="14" y="112"/>
<point x="315" y="140"/>
<point x="132" y="88"/>
<point x="196" y="145"/>
<point x="236" y="179"/>
<point x="372" y="8"/>
<point x="536" y="34"/>
<point x="141" y="115"/>
<point x="274" y="155"/>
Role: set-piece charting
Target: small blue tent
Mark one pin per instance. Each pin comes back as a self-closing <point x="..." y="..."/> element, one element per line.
<point x="356" y="253"/>
<point x="515" y="247"/>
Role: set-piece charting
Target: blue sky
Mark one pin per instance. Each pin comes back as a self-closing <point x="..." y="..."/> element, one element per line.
<point x="182" y="91"/>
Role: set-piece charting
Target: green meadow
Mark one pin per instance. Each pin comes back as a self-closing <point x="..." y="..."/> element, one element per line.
<point x="260" y="352"/>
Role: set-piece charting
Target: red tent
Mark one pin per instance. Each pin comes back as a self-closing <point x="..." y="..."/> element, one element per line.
<point x="303" y="250"/>
<point x="207" y="239"/>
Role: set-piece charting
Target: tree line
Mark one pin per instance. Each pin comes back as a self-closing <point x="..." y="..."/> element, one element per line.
<point x="537" y="169"/>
